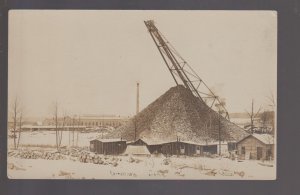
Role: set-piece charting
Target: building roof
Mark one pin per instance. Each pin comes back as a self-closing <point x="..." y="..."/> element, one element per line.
<point x="109" y="140"/>
<point x="156" y="141"/>
<point x="137" y="150"/>
<point x="265" y="138"/>
<point x="159" y="142"/>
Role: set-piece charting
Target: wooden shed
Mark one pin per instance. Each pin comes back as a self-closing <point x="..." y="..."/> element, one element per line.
<point x="108" y="146"/>
<point x="256" y="147"/>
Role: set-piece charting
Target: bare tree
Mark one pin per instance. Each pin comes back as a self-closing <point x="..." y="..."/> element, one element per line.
<point x="252" y="116"/>
<point x="56" y="122"/>
<point x="272" y="101"/>
<point x="73" y="128"/>
<point x="60" y="123"/>
<point x="20" y="127"/>
<point x="272" y="104"/>
<point x="78" y="129"/>
<point x="15" y="115"/>
<point x="62" y="128"/>
<point x="264" y="119"/>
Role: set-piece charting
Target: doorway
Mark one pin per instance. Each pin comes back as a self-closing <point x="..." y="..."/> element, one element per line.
<point x="259" y="153"/>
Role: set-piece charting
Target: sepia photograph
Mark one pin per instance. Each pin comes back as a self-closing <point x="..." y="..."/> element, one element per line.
<point x="142" y="94"/>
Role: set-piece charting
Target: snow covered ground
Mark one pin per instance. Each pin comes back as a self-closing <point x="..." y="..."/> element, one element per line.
<point x="127" y="167"/>
<point x="48" y="138"/>
<point x="124" y="167"/>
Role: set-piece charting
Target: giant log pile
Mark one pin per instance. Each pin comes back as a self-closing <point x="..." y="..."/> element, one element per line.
<point x="179" y="114"/>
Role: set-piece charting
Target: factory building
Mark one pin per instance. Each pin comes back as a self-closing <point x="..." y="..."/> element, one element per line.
<point x="90" y="121"/>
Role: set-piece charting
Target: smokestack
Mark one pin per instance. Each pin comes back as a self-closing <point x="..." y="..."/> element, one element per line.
<point x="137" y="97"/>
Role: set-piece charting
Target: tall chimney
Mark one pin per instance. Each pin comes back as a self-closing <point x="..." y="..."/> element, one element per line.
<point x="137" y="97"/>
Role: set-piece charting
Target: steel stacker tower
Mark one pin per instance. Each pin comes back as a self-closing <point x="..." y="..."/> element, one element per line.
<point x="182" y="73"/>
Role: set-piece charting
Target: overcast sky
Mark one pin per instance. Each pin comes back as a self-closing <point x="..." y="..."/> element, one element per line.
<point x="89" y="61"/>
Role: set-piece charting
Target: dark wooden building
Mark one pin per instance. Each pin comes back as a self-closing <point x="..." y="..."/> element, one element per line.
<point x="176" y="147"/>
<point x="212" y="149"/>
<point x="108" y="146"/>
<point x="257" y="147"/>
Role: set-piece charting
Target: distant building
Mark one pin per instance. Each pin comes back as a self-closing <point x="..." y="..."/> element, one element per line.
<point x="90" y="121"/>
<point x="256" y="147"/>
<point x="51" y="128"/>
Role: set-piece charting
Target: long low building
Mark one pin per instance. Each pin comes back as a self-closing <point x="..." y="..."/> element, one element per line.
<point x="178" y="147"/>
<point x="51" y="127"/>
<point x="90" y="121"/>
<point x="167" y="147"/>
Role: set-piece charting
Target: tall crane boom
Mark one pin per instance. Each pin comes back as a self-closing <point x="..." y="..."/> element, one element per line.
<point x="183" y="73"/>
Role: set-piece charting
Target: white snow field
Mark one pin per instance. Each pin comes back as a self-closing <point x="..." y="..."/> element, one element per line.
<point x="133" y="167"/>
<point x="47" y="138"/>
<point x="69" y="166"/>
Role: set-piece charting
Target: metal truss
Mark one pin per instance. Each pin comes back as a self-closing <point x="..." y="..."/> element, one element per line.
<point x="183" y="73"/>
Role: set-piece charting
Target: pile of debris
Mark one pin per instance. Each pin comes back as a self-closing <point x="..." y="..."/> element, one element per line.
<point x="87" y="157"/>
<point x="36" y="154"/>
<point x="73" y="152"/>
<point x="179" y="114"/>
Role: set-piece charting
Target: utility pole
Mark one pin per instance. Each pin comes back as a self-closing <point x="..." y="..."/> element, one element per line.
<point x="69" y="128"/>
<point x="137" y="108"/>
<point x="135" y="127"/>
<point x="252" y="120"/>
<point x="137" y="97"/>
<point x="219" y="132"/>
